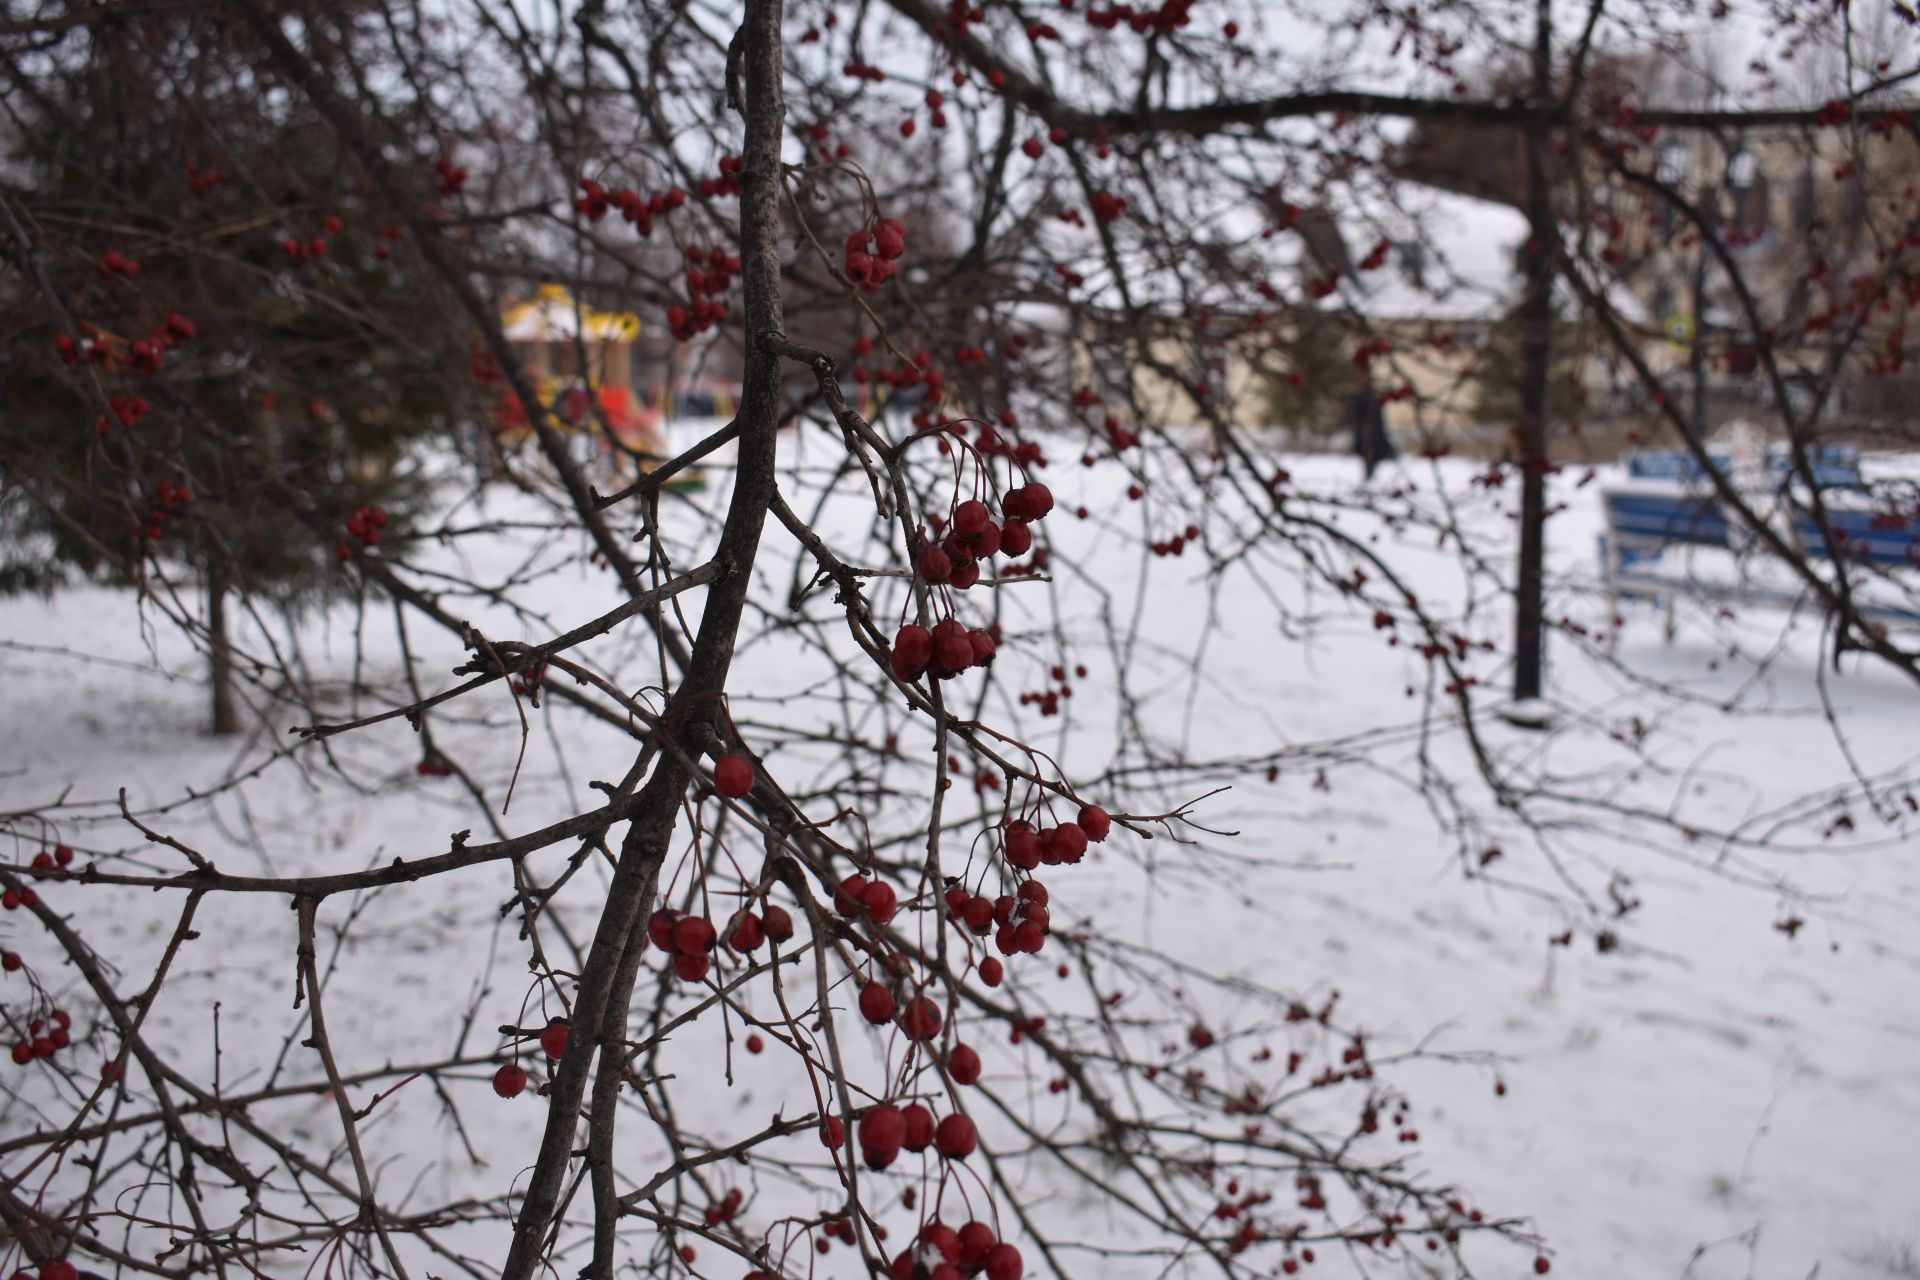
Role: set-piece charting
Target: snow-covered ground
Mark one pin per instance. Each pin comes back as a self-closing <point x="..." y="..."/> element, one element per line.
<point x="1714" y="1097"/>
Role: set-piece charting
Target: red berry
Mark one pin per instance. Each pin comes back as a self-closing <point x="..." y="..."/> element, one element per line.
<point x="976" y="1238"/>
<point x="880" y="901"/>
<point x="62" y="854"/>
<point x="952" y="650"/>
<point x="660" y="928"/>
<point x="992" y="971"/>
<point x="59" y="1271"/>
<point x="942" y="1239"/>
<point x="833" y="1134"/>
<point x="22" y="1053"/>
<point x="43" y="861"/>
<point x="1036" y="501"/>
<point x="509" y="1080"/>
<point x="1067" y="842"/>
<point x="554" y="1039"/>
<point x="881" y="1131"/>
<point x="1004" y="1263"/>
<point x="913" y="646"/>
<point x="693" y="935"/>
<point x="11" y="961"/>
<point x="921" y="1020"/>
<point x="918" y="1131"/>
<point x="747" y="932"/>
<point x="955" y="1137"/>
<point x="1095" y="823"/>
<point x="963" y="1064"/>
<point x="934" y="564"/>
<point x="755" y="1044"/>
<point x="876" y="1003"/>
<point x="1541" y="1266"/>
<point x="1016" y="539"/>
<point x="691" y="967"/>
<point x="777" y="923"/>
<point x="847" y="898"/>
<point x="971" y="518"/>
<point x="1023" y="845"/>
<point x="983" y="647"/>
<point x="733" y="775"/>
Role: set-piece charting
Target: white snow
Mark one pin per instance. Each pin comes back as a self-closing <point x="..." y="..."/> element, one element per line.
<point x="1712" y="1087"/>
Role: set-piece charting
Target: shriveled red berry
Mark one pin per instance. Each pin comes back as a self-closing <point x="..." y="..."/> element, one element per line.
<point x="733" y="775"/>
<point x="509" y="1080"/>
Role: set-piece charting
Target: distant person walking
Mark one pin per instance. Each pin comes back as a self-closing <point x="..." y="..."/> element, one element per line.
<point x="1370" y="440"/>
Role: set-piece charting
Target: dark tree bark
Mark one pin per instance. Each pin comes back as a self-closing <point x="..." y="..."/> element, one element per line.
<point x="226" y="708"/>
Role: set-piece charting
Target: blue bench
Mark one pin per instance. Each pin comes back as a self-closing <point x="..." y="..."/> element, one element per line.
<point x="1666" y="503"/>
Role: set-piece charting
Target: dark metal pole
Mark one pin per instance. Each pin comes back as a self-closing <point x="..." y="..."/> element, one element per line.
<point x="1537" y="325"/>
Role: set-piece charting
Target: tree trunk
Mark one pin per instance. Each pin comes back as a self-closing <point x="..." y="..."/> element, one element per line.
<point x="226" y="708"/>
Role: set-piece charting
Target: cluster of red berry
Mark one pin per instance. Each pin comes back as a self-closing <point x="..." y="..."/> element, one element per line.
<point x="314" y="246"/>
<point x="45" y="1037"/>
<point x="126" y="409"/>
<point x="949" y="647"/>
<point x="363" y="526"/>
<point x="596" y="201"/>
<point x="204" y="180"/>
<point x="168" y="500"/>
<point x="452" y="176"/>
<point x="872" y="251"/>
<point x="727" y="184"/>
<point x="941" y="1253"/>
<point x="705" y="290"/>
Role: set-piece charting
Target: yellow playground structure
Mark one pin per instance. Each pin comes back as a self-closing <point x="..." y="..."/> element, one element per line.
<point x="580" y="360"/>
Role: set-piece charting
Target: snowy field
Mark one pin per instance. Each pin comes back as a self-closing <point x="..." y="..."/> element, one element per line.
<point x="1714" y="1097"/>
